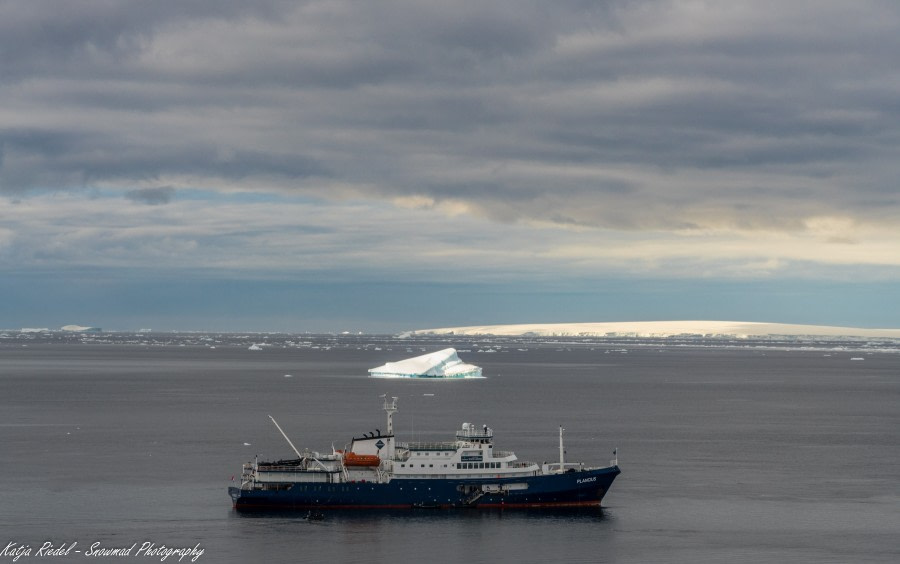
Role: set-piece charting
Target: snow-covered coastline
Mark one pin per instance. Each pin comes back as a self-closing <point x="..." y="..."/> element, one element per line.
<point x="738" y="329"/>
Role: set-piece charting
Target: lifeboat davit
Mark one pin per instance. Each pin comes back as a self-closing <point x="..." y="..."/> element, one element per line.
<point x="353" y="459"/>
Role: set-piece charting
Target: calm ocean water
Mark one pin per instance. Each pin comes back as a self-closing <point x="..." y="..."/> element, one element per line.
<point x="739" y="455"/>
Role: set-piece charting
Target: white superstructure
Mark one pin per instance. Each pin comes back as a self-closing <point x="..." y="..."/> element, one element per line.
<point x="376" y="457"/>
<point x="471" y="455"/>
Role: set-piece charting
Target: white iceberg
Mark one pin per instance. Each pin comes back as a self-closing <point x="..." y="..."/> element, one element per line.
<point x="81" y="329"/>
<point x="440" y="364"/>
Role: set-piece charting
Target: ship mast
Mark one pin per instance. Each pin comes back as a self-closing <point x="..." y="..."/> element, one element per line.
<point x="390" y="408"/>
<point x="562" y="451"/>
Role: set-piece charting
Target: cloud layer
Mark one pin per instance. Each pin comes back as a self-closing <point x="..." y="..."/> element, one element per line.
<point x="698" y="138"/>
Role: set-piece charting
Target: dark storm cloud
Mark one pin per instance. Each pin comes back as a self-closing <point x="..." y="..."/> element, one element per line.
<point x="626" y="114"/>
<point x="70" y="37"/>
<point x="74" y="159"/>
<point x="152" y="196"/>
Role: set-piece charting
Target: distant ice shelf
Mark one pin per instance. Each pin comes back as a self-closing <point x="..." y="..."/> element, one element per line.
<point x="665" y="329"/>
<point x="441" y="364"/>
<point x="81" y="329"/>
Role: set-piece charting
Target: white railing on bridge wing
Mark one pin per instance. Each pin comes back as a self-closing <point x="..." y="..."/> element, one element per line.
<point x="438" y="445"/>
<point x="470" y="431"/>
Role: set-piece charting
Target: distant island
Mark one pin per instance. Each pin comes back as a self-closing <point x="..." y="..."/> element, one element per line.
<point x="657" y="329"/>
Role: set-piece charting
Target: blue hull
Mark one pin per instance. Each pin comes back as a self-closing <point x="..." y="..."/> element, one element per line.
<point x="560" y="490"/>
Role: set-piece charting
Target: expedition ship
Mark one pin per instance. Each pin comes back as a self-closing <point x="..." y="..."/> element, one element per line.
<point x="375" y="471"/>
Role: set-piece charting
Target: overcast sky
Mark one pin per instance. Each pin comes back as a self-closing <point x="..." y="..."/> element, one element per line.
<point x="381" y="166"/>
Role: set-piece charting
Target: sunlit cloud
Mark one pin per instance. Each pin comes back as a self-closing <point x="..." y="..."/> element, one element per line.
<point x="420" y="240"/>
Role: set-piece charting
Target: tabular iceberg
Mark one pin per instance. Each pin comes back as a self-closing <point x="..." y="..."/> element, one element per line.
<point x="440" y="364"/>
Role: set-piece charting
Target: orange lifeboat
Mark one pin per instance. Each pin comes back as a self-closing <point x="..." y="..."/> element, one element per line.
<point x="353" y="459"/>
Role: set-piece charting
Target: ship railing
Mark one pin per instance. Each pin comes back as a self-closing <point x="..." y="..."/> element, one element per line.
<point x="470" y="435"/>
<point x="554" y="467"/>
<point x="533" y="466"/>
<point x="437" y="445"/>
<point x="503" y="453"/>
<point x="281" y="468"/>
<point x="298" y="469"/>
<point x="246" y="474"/>
<point x="380" y="475"/>
<point x="521" y="464"/>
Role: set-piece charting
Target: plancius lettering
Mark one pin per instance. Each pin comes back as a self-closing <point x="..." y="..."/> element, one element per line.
<point x="586" y="480"/>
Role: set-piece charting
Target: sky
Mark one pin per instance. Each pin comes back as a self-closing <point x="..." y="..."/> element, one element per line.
<point x="385" y="166"/>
